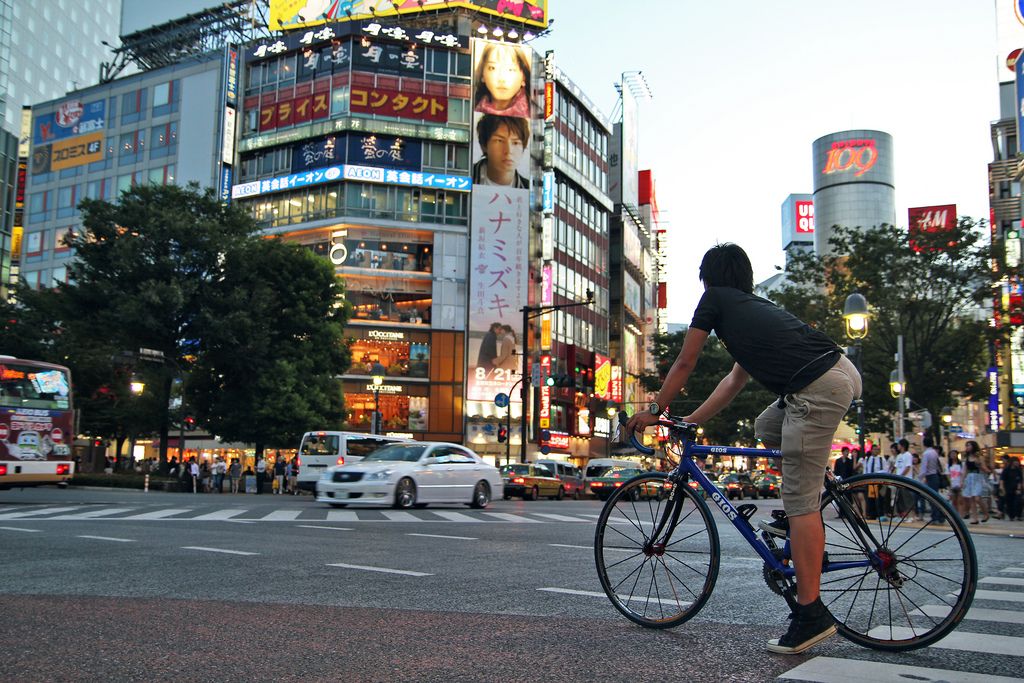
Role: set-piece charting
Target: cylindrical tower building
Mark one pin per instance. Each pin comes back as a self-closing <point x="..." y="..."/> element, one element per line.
<point x="853" y="182"/>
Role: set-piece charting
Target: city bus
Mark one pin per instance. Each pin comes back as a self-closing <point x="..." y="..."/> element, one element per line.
<point x="37" y="425"/>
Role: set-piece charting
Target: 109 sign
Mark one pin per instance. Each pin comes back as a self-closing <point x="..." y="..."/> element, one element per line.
<point x="857" y="155"/>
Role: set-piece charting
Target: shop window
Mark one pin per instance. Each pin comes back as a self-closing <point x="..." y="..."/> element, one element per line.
<point x="390" y="307"/>
<point x="165" y="98"/>
<point x="398" y="412"/>
<point x="400" y="358"/>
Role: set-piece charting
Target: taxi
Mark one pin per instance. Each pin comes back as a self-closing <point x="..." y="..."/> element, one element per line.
<point x="530" y="481"/>
<point x="604" y="486"/>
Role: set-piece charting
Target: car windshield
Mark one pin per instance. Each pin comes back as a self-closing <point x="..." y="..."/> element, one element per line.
<point x="399" y="452"/>
<point x="515" y="469"/>
<point x="622" y="473"/>
<point x="319" y="444"/>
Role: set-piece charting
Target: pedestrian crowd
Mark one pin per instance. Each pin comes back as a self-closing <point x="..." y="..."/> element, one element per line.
<point x="975" y="487"/>
<point x="213" y="477"/>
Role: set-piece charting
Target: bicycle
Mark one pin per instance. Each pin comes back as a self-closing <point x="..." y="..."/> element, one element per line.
<point x="888" y="584"/>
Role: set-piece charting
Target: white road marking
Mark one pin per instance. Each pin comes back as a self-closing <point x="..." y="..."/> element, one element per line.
<point x="506" y="517"/>
<point x="401" y="516"/>
<point x="16" y="528"/>
<point x="216" y="550"/>
<point x="93" y="514"/>
<point x="37" y="511"/>
<point x="977" y="613"/>
<point x="160" y="514"/>
<point x="1002" y="581"/>
<point x="108" y="538"/>
<point x="988" y="643"/>
<point x="1004" y="596"/>
<point x="282" y="516"/>
<point x="456" y="516"/>
<point x="332" y="528"/>
<point x="383" y="570"/>
<point x="590" y="547"/>
<point x="220" y="514"/>
<point x="595" y="594"/>
<point x="342" y="516"/>
<point x="1013" y="570"/>
<point x="835" y="670"/>
<point x="559" y="518"/>
<point x="457" y="538"/>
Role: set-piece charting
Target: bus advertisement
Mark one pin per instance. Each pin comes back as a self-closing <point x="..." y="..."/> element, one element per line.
<point x="36" y="423"/>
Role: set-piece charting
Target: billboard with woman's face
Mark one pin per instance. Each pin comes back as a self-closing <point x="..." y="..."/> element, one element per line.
<point x="500" y="219"/>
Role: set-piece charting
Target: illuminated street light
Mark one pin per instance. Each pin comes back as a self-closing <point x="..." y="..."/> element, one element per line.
<point x="897" y="387"/>
<point x="137" y="387"/>
<point x="377" y="373"/>
<point x="855" y="313"/>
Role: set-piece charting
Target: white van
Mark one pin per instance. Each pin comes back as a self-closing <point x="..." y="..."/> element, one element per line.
<point x="320" y="450"/>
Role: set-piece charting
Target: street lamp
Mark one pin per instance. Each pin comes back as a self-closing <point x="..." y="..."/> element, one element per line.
<point x="612" y="412"/>
<point x="137" y="386"/>
<point x="947" y="423"/>
<point x="377" y="373"/>
<point x="855" y="313"/>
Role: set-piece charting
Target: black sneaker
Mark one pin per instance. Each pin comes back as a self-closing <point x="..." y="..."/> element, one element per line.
<point x="778" y="527"/>
<point x="812" y="625"/>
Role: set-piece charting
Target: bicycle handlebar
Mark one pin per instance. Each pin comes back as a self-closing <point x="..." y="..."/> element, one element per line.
<point x="678" y="427"/>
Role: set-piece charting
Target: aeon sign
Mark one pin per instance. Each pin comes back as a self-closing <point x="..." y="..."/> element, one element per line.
<point x="846" y="156"/>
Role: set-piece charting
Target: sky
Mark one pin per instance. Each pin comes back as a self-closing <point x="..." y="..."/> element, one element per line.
<point x="742" y="88"/>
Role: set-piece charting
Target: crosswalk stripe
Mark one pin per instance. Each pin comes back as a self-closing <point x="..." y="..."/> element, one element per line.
<point x="37" y="511"/>
<point x="108" y="538"/>
<point x="1003" y="596"/>
<point x="1013" y="570"/>
<point x="1002" y="581"/>
<point x="216" y="550"/>
<point x="331" y="528"/>
<point x="455" y="538"/>
<point x="595" y="594"/>
<point x="558" y="518"/>
<point x="341" y="516"/>
<point x="401" y="516"/>
<point x="159" y="514"/>
<point x="282" y="516"/>
<point x="456" y="516"/>
<point x="836" y="670"/>
<point x="383" y="570"/>
<point x="15" y="528"/>
<point x="506" y="517"/>
<point x="988" y="643"/>
<point x="220" y="514"/>
<point x="977" y="613"/>
<point x="93" y="514"/>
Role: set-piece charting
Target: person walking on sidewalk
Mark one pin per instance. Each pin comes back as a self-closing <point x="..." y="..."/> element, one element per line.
<point x="1011" y="482"/>
<point x="279" y="472"/>
<point x="234" y="472"/>
<point x="931" y="469"/>
<point x="974" y="483"/>
<point x="261" y="474"/>
<point x="956" y="482"/>
<point x="293" y="475"/>
<point x="193" y="470"/>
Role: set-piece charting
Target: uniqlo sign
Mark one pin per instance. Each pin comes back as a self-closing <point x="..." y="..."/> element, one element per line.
<point x="804" y="218"/>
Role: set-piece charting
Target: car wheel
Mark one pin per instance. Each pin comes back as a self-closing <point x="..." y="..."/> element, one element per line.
<point x="505" y="496"/>
<point x="481" y="495"/>
<point x="561" y="493"/>
<point x="405" y="493"/>
<point x="532" y="494"/>
<point x="754" y="495"/>
<point x="337" y="505"/>
<point x="576" y="494"/>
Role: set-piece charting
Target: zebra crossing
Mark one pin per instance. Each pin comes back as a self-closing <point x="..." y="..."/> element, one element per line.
<point x="1004" y="651"/>
<point x="291" y="514"/>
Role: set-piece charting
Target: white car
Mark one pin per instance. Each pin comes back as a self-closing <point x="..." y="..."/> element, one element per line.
<point x="412" y="474"/>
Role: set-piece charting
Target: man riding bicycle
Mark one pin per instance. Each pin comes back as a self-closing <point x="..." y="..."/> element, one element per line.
<point x="815" y="383"/>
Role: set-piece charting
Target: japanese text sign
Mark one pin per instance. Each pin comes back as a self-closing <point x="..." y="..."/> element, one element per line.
<point x="406" y="105"/>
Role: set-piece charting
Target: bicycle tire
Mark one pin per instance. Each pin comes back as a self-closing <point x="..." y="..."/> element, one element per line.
<point x="638" y="505"/>
<point x="929" y="569"/>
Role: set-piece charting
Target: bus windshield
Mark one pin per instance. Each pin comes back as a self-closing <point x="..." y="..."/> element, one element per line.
<point x="23" y="385"/>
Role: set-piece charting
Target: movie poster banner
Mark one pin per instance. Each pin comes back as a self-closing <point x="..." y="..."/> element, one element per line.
<point x="500" y="219"/>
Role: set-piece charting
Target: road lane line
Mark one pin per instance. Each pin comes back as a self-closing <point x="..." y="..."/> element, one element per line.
<point x="457" y="516"/>
<point x="977" y="613"/>
<point x="457" y="538"/>
<point x="17" y="528"/>
<point x="219" y="515"/>
<point x="160" y="514"/>
<point x="558" y="518"/>
<point x="216" y="550"/>
<point x="988" y="643"/>
<point x="93" y="514"/>
<point x="1003" y="596"/>
<point x="836" y="670"/>
<point x="332" y="528"/>
<point x="108" y="538"/>
<point x="38" y="511"/>
<point x="507" y="517"/>
<point x="590" y="547"/>
<point x="1013" y="570"/>
<point x="281" y="516"/>
<point x="342" y="516"/>
<point x="383" y="570"/>
<point x="1002" y="581"/>
<point x="401" y="516"/>
<point x="595" y="594"/>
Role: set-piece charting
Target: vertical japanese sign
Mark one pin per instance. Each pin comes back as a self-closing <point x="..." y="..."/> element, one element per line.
<point x="544" y="413"/>
<point x="500" y="218"/>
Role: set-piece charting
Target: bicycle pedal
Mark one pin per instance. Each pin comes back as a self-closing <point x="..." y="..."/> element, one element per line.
<point x="746" y="510"/>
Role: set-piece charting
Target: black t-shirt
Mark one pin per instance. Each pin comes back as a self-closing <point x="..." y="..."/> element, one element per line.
<point x="775" y="347"/>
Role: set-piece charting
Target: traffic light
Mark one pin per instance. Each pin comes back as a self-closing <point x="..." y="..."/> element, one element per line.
<point x="190" y="423"/>
<point x="561" y="380"/>
<point x="502" y="434"/>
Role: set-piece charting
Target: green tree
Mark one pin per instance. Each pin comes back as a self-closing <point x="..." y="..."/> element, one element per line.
<point x="273" y="347"/>
<point x="934" y="296"/>
<point x="735" y="424"/>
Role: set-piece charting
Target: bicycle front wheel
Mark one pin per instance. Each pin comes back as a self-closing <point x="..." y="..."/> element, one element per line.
<point x="656" y="582"/>
<point x="922" y="574"/>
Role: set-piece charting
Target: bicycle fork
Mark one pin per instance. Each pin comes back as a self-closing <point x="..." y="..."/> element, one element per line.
<point x="655" y="544"/>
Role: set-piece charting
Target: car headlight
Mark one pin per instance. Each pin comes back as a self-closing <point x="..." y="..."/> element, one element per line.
<point x="383" y="475"/>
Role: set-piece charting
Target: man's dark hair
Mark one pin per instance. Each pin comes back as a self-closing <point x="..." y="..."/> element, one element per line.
<point x="489" y="123"/>
<point x="905" y="444"/>
<point x="727" y="265"/>
<point x="928" y="441"/>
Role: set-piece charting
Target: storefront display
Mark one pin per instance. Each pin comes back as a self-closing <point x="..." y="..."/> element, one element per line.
<point x="403" y="407"/>
<point x="402" y="353"/>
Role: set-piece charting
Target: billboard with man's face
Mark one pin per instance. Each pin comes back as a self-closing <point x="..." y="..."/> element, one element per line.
<point x="500" y="218"/>
<point x="290" y="14"/>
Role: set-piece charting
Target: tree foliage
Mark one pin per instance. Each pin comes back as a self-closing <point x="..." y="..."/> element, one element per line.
<point x="934" y="297"/>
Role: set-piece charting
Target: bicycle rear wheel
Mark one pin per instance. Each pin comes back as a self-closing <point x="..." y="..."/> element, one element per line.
<point x="656" y="583"/>
<point x="922" y="576"/>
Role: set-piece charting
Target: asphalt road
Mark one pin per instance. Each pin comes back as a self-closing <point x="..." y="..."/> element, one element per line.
<point x="122" y="585"/>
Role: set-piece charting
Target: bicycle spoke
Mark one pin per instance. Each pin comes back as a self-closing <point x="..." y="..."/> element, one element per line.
<point x="669" y="573"/>
<point x="681" y="582"/>
<point x="631" y="557"/>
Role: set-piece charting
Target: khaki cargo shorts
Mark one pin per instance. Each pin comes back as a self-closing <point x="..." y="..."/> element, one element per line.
<point x="804" y="431"/>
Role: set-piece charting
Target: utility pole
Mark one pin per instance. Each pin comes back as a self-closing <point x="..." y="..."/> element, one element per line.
<point x="903" y="386"/>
